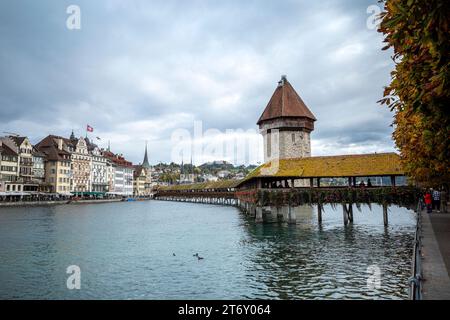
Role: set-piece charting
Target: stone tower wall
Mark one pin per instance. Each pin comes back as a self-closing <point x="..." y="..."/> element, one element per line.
<point x="289" y="143"/>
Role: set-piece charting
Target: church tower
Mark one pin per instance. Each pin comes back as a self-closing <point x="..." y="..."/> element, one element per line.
<point x="145" y="163"/>
<point x="286" y="124"/>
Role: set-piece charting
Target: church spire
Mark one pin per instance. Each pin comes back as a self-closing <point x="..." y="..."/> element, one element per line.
<point x="145" y="163"/>
<point x="72" y="136"/>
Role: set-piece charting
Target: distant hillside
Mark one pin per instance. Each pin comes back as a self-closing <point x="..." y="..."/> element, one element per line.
<point x="216" y="165"/>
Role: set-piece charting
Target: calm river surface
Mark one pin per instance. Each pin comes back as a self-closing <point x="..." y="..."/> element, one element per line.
<point x="125" y="251"/>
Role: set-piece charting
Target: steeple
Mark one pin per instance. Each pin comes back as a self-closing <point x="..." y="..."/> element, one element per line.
<point x="145" y="163"/>
<point x="72" y="136"/>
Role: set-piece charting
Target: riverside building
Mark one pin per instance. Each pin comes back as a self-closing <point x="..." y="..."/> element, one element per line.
<point x="58" y="172"/>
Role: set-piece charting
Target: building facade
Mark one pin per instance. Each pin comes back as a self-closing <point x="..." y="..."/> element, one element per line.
<point x="39" y="169"/>
<point x="121" y="175"/>
<point x="58" y="172"/>
<point x="25" y="151"/>
<point x="110" y="174"/>
<point x="99" y="174"/>
<point x="128" y="172"/>
<point x="9" y="169"/>
<point x="142" y="184"/>
<point x="139" y="181"/>
<point x="2" y="186"/>
<point x="81" y="166"/>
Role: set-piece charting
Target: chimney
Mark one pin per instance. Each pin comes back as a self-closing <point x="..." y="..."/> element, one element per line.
<point x="60" y="144"/>
<point x="282" y="81"/>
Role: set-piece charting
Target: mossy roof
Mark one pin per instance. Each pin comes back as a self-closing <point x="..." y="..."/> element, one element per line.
<point x="360" y="165"/>
<point x="222" y="184"/>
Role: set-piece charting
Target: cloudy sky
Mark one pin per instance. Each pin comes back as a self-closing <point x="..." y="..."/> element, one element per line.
<point x="147" y="70"/>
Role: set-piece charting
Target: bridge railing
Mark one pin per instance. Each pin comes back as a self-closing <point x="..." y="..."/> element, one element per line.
<point x="401" y="196"/>
<point x="209" y="193"/>
<point x="415" y="282"/>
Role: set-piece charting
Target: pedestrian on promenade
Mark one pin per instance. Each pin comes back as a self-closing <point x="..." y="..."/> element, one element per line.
<point x="444" y="200"/>
<point x="437" y="200"/>
<point x="369" y="183"/>
<point x="428" y="201"/>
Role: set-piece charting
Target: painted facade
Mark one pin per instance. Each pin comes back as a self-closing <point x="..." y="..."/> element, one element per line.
<point x="9" y="169"/>
<point x="57" y="164"/>
<point x="81" y="167"/>
<point x="99" y="173"/>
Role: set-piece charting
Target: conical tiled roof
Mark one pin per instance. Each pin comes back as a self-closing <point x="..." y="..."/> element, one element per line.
<point x="285" y="102"/>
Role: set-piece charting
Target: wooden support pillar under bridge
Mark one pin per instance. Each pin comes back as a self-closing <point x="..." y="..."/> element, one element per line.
<point x="286" y="213"/>
<point x="274" y="201"/>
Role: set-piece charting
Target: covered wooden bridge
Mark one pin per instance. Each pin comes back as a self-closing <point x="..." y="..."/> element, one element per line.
<point x="218" y="192"/>
<point x="278" y="188"/>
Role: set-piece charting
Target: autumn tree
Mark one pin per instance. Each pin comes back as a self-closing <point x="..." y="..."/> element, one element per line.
<point x="418" y="32"/>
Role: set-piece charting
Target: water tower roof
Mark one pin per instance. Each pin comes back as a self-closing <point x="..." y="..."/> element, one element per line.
<point x="285" y="102"/>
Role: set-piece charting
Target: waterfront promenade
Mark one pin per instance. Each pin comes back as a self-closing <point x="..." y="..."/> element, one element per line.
<point x="61" y="202"/>
<point x="436" y="256"/>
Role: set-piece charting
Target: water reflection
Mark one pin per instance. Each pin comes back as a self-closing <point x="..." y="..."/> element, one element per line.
<point x="329" y="261"/>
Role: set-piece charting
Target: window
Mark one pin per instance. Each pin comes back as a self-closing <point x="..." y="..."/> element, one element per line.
<point x="293" y="137"/>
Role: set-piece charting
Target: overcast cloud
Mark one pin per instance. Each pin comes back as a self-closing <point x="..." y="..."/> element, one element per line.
<point x="138" y="70"/>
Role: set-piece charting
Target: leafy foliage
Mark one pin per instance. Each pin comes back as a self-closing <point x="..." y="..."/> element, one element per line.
<point x="418" y="31"/>
<point x="402" y="196"/>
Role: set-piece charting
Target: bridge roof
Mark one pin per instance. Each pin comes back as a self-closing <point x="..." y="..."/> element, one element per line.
<point x="222" y="184"/>
<point x="358" y="165"/>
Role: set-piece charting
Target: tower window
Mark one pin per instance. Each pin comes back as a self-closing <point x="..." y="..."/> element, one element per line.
<point x="293" y="137"/>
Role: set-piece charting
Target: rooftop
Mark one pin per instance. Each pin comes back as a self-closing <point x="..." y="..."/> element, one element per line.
<point x="360" y="165"/>
<point x="285" y="102"/>
<point x="17" y="140"/>
<point x="223" y="184"/>
<point x="6" y="150"/>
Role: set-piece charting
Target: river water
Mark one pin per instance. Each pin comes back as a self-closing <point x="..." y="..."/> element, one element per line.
<point x="144" y="250"/>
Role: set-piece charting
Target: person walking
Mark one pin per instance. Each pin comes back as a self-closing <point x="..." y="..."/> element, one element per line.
<point x="428" y="201"/>
<point x="444" y="200"/>
<point x="437" y="200"/>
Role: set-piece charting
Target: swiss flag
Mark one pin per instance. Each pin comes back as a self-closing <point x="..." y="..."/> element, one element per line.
<point x="89" y="128"/>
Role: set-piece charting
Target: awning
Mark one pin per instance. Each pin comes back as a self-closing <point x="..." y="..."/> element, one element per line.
<point x="14" y="194"/>
<point x="64" y="194"/>
<point x="88" y="193"/>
